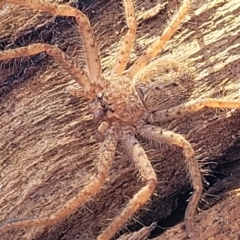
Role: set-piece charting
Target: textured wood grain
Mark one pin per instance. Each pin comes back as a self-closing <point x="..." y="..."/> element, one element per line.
<point x="48" y="150"/>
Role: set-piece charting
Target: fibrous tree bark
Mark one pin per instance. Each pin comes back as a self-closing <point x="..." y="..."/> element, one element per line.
<point x="48" y="150"/>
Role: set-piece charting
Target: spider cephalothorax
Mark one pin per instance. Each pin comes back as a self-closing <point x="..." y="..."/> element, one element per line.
<point x="161" y="85"/>
<point x="124" y="104"/>
<point x="117" y="101"/>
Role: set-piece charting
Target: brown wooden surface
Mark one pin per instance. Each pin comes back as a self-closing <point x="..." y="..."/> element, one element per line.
<point x="48" y="150"/>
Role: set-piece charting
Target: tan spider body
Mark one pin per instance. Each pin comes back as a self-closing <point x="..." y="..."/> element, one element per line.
<point x="125" y="104"/>
<point x="148" y="91"/>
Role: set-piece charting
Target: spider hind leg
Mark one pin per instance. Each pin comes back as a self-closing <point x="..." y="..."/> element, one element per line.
<point x="147" y="172"/>
<point x="159" y="134"/>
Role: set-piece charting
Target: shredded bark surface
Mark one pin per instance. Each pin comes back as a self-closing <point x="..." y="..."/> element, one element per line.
<point x="48" y="149"/>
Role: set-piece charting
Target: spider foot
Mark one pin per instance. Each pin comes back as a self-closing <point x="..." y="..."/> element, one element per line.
<point x="142" y="234"/>
<point x="189" y="229"/>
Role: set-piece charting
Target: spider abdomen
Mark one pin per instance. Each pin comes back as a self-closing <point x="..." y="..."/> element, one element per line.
<point x="163" y="84"/>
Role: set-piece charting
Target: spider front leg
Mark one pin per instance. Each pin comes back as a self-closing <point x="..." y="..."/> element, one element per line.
<point x="161" y="135"/>
<point x="192" y="106"/>
<point x="129" y="39"/>
<point x="145" y="168"/>
<point x="88" y="39"/>
<point x="71" y="67"/>
<point x="107" y="152"/>
<point x="159" y="43"/>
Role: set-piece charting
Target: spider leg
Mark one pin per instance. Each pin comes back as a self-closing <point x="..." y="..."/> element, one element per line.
<point x="129" y="39"/>
<point x="77" y="73"/>
<point x="159" y="134"/>
<point x="192" y="106"/>
<point x="78" y="92"/>
<point x="88" y="39"/>
<point x="141" y="234"/>
<point x="159" y="43"/>
<point x="107" y="153"/>
<point x="145" y="168"/>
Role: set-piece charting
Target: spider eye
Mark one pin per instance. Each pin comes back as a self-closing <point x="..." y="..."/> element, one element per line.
<point x="100" y="96"/>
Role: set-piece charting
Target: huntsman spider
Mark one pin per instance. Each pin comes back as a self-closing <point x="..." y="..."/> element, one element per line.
<point x="124" y="104"/>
